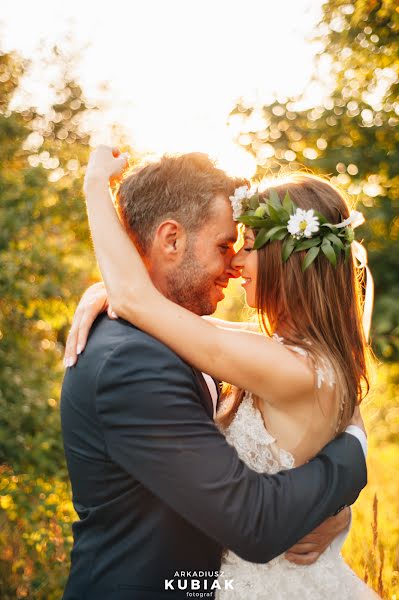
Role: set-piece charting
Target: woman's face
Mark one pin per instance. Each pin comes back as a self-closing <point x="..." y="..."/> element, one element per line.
<point x="246" y="260"/>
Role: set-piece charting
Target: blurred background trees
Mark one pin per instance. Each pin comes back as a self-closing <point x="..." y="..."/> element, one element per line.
<point x="45" y="263"/>
<point x="353" y="137"/>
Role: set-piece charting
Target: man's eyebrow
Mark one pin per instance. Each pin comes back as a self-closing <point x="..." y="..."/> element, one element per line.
<point x="227" y="240"/>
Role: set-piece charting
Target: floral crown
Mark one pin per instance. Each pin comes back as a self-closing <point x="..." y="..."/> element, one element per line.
<point x="298" y="229"/>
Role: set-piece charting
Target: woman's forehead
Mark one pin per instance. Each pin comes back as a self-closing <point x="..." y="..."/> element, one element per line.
<point x="249" y="234"/>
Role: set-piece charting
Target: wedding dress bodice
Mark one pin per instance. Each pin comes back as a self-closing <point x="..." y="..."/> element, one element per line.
<point x="254" y="444"/>
<point x="329" y="578"/>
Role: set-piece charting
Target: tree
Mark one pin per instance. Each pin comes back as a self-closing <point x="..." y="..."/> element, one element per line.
<point x="45" y="262"/>
<point x="353" y="136"/>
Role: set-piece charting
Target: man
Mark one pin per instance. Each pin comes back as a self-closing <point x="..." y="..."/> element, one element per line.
<point x="158" y="490"/>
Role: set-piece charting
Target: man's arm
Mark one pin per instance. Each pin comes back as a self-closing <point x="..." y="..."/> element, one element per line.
<point x="156" y="430"/>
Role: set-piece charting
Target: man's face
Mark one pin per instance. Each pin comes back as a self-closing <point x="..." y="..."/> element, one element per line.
<point x="206" y="267"/>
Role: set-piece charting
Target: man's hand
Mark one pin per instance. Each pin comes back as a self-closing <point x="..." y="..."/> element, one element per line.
<point x="93" y="302"/>
<point x="308" y="550"/>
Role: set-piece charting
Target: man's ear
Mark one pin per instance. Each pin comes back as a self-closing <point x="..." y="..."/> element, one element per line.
<point x="170" y="239"/>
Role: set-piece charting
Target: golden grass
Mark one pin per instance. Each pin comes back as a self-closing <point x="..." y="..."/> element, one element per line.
<point x="372" y="548"/>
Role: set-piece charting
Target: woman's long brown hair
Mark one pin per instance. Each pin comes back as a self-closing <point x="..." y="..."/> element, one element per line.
<point x="319" y="310"/>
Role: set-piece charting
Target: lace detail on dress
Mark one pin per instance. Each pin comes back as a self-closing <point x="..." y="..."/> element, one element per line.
<point x="254" y="444"/>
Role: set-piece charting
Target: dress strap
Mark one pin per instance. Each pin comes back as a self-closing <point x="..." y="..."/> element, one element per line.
<point x="324" y="371"/>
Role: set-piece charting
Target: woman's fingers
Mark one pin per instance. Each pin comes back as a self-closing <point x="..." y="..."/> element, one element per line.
<point x="93" y="302"/>
<point x="111" y="160"/>
<point x="111" y="313"/>
<point x="87" y="320"/>
<point x="72" y="339"/>
<point x="106" y="162"/>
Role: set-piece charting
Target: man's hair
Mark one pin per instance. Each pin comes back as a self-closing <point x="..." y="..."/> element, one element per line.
<point x="176" y="187"/>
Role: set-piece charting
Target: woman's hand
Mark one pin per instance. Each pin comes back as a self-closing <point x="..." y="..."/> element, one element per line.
<point x="93" y="302"/>
<point x="105" y="164"/>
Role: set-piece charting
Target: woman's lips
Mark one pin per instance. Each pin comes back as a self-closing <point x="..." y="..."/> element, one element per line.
<point x="245" y="281"/>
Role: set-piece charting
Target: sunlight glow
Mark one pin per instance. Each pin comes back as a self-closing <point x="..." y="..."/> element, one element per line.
<point x="170" y="71"/>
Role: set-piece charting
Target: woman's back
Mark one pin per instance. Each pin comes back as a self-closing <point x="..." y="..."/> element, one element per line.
<point x="304" y="423"/>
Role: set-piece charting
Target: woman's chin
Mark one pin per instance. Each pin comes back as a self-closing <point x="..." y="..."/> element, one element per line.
<point x="249" y="299"/>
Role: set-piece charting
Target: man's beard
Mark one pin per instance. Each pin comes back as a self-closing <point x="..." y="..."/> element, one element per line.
<point x="191" y="286"/>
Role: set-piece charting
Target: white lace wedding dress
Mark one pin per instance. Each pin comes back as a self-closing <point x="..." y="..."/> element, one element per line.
<point x="329" y="578"/>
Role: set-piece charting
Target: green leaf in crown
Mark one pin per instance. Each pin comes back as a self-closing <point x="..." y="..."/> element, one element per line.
<point x="300" y="230"/>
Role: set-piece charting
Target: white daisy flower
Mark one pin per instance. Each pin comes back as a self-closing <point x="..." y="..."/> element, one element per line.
<point x="303" y="224"/>
<point x="240" y="194"/>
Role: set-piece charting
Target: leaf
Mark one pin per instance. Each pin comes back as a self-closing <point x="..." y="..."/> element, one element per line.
<point x="278" y="215"/>
<point x="335" y="240"/>
<point x="288" y="248"/>
<point x="288" y="204"/>
<point x="274" y="199"/>
<point x="254" y="201"/>
<point x="328" y="251"/>
<point x="274" y="214"/>
<point x="305" y="244"/>
<point x="261" y="211"/>
<point x="322" y="218"/>
<point x="279" y="235"/>
<point x="260" y="239"/>
<point x="328" y="226"/>
<point x="254" y="222"/>
<point x="265" y="235"/>
<point x="310" y="257"/>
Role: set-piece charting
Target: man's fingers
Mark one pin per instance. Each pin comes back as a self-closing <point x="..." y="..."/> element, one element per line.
<point x="302" y="559"/>
<point x="311" y="538"/>
<point x="304" y="548"/>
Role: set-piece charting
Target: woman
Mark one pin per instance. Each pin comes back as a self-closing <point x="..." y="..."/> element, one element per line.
<point x="301" y="381"/>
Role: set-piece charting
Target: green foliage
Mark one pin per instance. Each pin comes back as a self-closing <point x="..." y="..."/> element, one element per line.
<point x="35" y="536"/>
<point x="271" y="218"/>
<point x="353" y="137"/>
<point x="45" y="262"/>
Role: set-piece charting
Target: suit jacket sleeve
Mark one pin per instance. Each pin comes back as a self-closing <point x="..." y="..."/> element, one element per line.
<point x="157" y="430"/>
